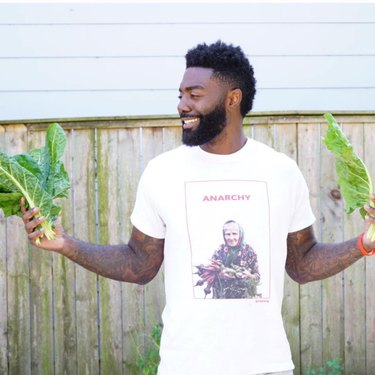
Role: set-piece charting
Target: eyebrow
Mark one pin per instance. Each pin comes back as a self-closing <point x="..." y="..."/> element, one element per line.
<point x="194" y="87"/>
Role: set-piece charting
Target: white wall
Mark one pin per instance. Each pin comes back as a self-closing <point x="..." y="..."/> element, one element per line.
<point x="121" y="59"/>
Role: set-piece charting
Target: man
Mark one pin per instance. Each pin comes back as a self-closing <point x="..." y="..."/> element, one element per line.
<point x="233" y="270"/>
<point x="172" y="219"/>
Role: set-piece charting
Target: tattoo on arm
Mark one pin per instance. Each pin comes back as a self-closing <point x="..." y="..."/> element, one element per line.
<point x="137" y="262"/>
<point x="308" y="260"/>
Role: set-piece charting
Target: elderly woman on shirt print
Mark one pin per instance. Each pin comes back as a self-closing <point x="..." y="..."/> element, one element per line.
<point x="233" y="271"/>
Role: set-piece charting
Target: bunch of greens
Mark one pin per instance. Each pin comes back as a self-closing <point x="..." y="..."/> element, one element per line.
<point x="353" y="177"/>
<point x="148" y="363"/>
<point x="38" y="176"/>
<point x="331" y="367"/>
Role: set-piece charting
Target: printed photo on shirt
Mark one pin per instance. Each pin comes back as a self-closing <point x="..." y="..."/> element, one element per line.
<point x="228" y="226"/>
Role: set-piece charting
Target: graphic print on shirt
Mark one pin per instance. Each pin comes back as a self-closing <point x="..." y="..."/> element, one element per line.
<point x="229" y="233"/>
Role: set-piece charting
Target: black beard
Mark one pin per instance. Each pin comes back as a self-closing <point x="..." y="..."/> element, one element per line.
<point x="210" y="126"/>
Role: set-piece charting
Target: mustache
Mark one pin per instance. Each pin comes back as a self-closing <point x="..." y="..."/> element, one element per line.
<point x="182" y="117"/>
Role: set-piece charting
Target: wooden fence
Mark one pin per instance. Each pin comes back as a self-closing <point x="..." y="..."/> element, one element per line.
<point x="57" y="318"/>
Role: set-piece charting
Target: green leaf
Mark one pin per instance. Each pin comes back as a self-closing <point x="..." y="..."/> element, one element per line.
<point x="42" y="157"/>
<point x="58" y="180"/>
<point x="353" y="177"/>
<point x="28" y="162"/>
<point x="19" y="179"/>
<point x="56" y="142"/>
<point x="10" y="203"/>
<point x="39" y="176"/>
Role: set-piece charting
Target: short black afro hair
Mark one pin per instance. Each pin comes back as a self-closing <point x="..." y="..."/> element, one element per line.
<point x="229" y="64"/>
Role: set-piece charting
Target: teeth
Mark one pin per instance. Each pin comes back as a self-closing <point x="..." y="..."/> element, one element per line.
<point x="189" y="121"/>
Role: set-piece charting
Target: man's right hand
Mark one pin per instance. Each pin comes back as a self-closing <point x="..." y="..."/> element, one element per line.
<point x="33" y="233"/>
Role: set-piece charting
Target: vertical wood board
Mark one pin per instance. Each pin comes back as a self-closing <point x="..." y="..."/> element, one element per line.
<point x="369" y="157"/>
<point x="18" y="273"/>
<point x="110" y="323"/>
<point x="286" y="142"/>
<point x="41" y="302"/>
<point x="332" y="231"/>
<point x="85" y="229"/>
<point x="65" y="324"/>
<point x="3" y="281"/>
<point x="310" y="294"/>
<point x="133" y="307"/>
<point x="355" y="281"/>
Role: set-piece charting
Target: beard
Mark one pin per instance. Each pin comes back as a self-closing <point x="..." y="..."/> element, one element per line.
<point x="210" y="126"/>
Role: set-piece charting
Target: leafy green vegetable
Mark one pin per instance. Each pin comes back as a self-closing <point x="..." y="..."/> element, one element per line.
<point x="39" y="176"/>
<point x="353" y="177"/>
<point x="10" y="203"/>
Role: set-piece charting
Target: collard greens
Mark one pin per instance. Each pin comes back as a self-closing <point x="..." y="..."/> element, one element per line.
<point x="353" y="177"/>
<point x="39" y="176"/>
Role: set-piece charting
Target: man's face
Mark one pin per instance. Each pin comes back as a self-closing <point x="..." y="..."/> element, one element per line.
<point x="231" y="234"/>
<point x="201" y="107"/>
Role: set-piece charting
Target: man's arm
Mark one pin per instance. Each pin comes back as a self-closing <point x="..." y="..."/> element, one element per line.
<point x="137" y="262"/>
<point x="309" y="260"/>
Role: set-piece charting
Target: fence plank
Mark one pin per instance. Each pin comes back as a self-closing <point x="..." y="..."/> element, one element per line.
<point x="65" y="327"/>
<point x="369" y="155"/>
<point x="264" y="133"/>
<point x="285" y="142"/>
<point x="129" y="171"/>
<point x="84" y="229"/>
<point x="310" y="294"/>
<point x="109" y="290"/>
<point x="332" y="231"/>
<point x="354" y="281"/>
<point x="152" y="145"/>
<point x="3" y="282"/>
<point x="41" y="303"/>
<point x="171" y="138"/>
<point x="18" y="274"/>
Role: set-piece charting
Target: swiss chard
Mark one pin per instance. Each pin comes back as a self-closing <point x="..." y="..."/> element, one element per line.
<point x="353" y="177"/>
<point x="39" y="177"/>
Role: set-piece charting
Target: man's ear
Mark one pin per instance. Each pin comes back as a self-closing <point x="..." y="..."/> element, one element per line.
<point x="234" y="98"/>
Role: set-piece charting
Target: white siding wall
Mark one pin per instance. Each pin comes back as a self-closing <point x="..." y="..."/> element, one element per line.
<point x="121" y="59"/>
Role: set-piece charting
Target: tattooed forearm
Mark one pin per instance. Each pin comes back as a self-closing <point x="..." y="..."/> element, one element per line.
<point x="309" y="260"/>
<point x="138" y="262"/>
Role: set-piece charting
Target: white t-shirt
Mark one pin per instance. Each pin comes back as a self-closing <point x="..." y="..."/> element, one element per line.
<point x="185" y="196"/>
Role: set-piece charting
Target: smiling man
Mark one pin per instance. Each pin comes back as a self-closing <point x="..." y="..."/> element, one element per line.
<point x="171" y="222"/>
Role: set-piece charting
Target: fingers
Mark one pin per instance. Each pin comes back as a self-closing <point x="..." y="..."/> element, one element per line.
<point x="22" y="203"/>
<point x="33" y="236"/>
<point x="32" y="220"/>
<point x="370" y="212"/>
<point x="29" y="215"/>
<point x="370" y="216"/>
<point x="32" y="224"/>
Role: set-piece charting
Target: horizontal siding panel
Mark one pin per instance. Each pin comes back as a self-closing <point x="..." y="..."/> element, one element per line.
<point x="175" y="13"/>
<point x="123" y="59"/>
<point x="46" y="105"/>
<point x="315" y="99"/>
<point x="134" y="39"/>
<point x="166" y="73"/>
<point x="78" y="104"/>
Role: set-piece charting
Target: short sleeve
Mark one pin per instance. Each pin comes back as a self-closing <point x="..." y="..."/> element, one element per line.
<point x="302" y="215"/>
<point x="145" y="216"/>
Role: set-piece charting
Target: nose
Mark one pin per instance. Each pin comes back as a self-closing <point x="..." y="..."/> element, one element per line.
<point x="183" y="106"/>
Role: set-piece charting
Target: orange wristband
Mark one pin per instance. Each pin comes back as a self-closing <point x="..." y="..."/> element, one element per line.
<point x="362" y="249"/>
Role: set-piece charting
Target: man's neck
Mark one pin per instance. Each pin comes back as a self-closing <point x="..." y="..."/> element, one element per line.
<point x="226" y="143"/>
